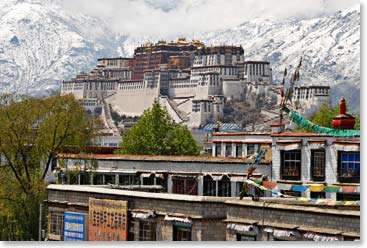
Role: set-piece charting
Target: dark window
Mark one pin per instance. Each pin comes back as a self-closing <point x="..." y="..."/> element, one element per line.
<point x="98" y="179"/>
<point x="184" y="185"/>
<point x="224" y="187"/>
<point x="147" y="231"/>
<point x="245" y="237"/>
<point x="218" y="150"/>
<point x="239" y="150"/>
<point x="292" y="193"/>
<point x="347" y="196"/>
<point x="250" y="149"/>
<point x="148" y="180"/>
<point x="72" y="178"/>
<point x="348" y="167"/>
<point x="317" y="195"/>
<point x="84" y="178"/>
<point x="318" y="165"/>
<point x="181" y="233"/>
<point x="291" y="165"/>
<point x="228" y="150"/>
<point x="109" y="179"/>
<point x="209" y="188"/>
<point x="129" y="180"/>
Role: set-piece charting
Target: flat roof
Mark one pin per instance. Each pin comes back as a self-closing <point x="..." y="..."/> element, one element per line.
<point x="200" y="159"/>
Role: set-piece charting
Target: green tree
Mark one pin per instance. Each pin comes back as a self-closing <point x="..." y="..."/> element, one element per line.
<point x="324" y="116"/>
<point x="32" y="131"/>
<point x="157" y="134"/>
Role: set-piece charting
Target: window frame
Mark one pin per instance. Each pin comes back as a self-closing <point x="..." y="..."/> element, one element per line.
<point x="297" y="165"/>
<point x="315" y="163"/>
<point x="352" y="178"/>
<point x="185" y="231"/>
<point x="147" y="231"/>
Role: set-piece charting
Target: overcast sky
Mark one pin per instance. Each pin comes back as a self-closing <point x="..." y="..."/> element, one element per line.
<point x="187" y="17"/>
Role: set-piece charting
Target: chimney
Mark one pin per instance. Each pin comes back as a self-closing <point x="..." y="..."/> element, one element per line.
<point x="343" y="120"/>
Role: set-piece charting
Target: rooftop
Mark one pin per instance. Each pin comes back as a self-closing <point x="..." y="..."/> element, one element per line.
<point x="200" y="159"/>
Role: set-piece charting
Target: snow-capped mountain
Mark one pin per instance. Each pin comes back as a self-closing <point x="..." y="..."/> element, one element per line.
<point x="329" y="46"/>
<point x="41" y="45"/>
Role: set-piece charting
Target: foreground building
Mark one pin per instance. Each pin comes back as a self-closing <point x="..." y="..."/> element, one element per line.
<point x="101" y="213"/>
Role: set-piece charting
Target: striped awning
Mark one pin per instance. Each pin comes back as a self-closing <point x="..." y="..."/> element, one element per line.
<point x="243" y="228"/>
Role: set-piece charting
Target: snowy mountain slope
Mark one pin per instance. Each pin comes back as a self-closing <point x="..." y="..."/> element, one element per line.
<point x="40" y="45"/>
<point x="330" y="47"/>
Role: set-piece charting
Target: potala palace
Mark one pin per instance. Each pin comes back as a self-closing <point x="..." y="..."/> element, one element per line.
<point x="191" y="80"/>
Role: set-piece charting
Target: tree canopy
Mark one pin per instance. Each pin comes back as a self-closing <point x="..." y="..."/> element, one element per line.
<point x="32" y="131"/>
<point x="157" y="134"/>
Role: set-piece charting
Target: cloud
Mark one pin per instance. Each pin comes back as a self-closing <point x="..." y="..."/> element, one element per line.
<point x="168" y="18"/>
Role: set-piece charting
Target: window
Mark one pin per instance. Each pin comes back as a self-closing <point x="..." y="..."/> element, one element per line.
<point x="349" y="166"/>
<point x="184" y="185"/>
<point x="110" y="179"/>
<point x="98" y="179"/>
<point x="148" y="180"/>
<point x="250" y="149"/>
<point x="347" y="196"/>
<point x="84" y="178"/>
<point x="317" y="195"/>
<point x="318" y="165"/>
<point x="292" y="193"/>
<point x="224" y="187"/>
<point x="239" y="150"/>
<point x="131" y="235"/>
<point x="181" y="232"/>
<point x="228" y="150"/>
<point x="129" y="180"/>
<point x="209" y="188"/>
<point x="291" y="165"/>
<point x="56" y="220"/>
<point x="147" y="231"/>
<point x="251" y="236"/>
<point x="72" y="178"/>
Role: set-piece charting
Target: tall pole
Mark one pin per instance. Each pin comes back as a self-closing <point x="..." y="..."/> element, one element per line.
<point x="40" y="224"/>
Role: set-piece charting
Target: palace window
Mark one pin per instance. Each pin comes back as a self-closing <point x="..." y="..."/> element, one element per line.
<point x="318" y="165"/>
<point x="291" y="165"/>
<point x="349" y="167"/>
